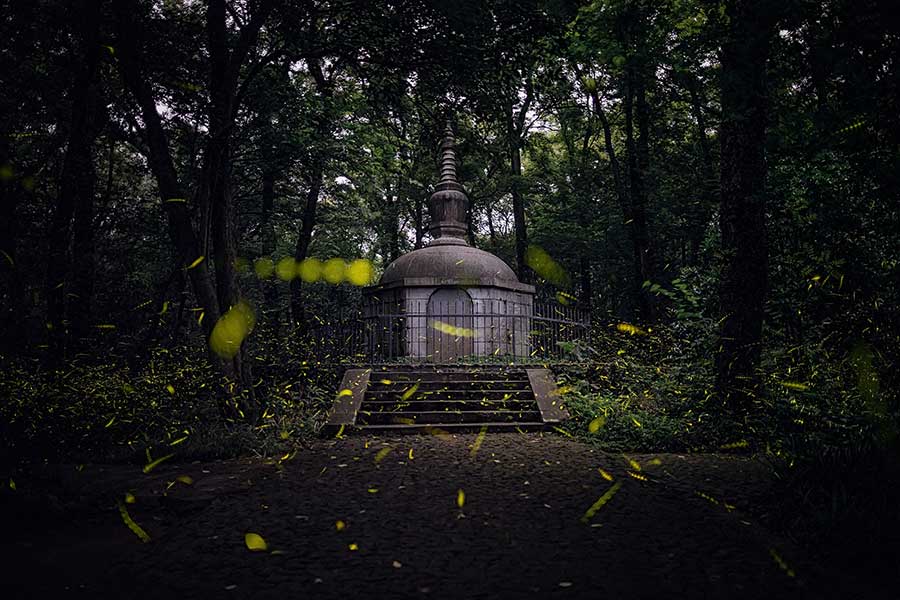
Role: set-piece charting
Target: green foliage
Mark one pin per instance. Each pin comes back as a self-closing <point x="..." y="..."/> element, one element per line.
<point x="367" y="125"/>
<point x="624" y="423"/>
<point x="92" y="412"/>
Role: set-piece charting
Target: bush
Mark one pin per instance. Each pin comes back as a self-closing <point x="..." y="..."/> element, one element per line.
<point x="90" y="411"/>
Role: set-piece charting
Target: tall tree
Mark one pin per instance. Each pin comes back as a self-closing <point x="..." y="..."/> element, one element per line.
<point x="633" y="31"/>
<point x="516" y="130"/>
<point x="214" y="196"/>
<point x="616" y="47"/>
<point x="70" y="275"/>
<point x="324" y="125"/>
<point x="742" y="217"/>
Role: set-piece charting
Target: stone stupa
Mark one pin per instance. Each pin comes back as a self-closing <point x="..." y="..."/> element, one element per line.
<point x="449" y="300"/>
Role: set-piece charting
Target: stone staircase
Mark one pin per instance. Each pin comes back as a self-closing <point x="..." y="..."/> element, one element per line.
<point x="446" y="398"/>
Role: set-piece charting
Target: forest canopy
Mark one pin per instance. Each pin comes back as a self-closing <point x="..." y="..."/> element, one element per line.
<point x="195" y="197"/>
<point x="192" y="190"/>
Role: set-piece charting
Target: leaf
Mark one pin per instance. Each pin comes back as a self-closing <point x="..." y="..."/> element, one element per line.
<point x="255" y="542"/>
<point x="460" y="498"/>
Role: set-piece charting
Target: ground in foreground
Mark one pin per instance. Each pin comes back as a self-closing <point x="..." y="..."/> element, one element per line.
<point x="501" y="516"/>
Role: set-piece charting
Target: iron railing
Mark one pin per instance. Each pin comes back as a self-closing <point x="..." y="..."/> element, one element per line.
<point x="450" y="332"/>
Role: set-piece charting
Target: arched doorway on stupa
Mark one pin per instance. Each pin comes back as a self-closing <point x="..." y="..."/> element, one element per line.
<point x="450" y="325"/>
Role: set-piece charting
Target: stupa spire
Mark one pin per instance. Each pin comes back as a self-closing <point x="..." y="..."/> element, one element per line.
<point x="448" y="156"/>
<point x="448" y="205"/>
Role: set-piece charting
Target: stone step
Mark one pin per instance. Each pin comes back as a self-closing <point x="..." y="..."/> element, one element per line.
<point x="467" y="375"/>
<point x="444" y="417"/>
<point x="475" y="394"/>
<point x="456" y="383"/>
<point x="459" y="397"/>
<point x="450" y="428"/>
<point x="449" y="405"/>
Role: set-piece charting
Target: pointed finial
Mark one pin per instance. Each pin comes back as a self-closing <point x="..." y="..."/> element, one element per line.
<point x="448" y="205"/>
<point x="448" y="156"/>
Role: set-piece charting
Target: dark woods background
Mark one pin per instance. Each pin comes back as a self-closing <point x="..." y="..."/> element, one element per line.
<point x="721" y="176"/>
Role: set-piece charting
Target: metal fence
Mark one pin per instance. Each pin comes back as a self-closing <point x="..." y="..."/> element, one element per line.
<point x="451" y="332"/>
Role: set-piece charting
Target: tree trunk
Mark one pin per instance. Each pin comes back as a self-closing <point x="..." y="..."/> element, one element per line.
<point x="218" y="197"/>
<point x="304" y="239"/>
<point x="161" y="164"/>
<point x="522" y="269"/>
<point x="218" y="200"/>
<point x="14" y="195"/>
<point x="187" y="246"/>
<point x="621" y="191"/>
<point x="643" y="267"/>
<point x="76" y="195"/>
<point x="742" y="203"/>
<point x="272" y="309"/>
<point x="391" y="225"/>
<point x="419" y="221"/>
<point x="635" y="217"/>
<point x="492" y="233"/>
<point x="470" y="221"/>
<point x="83" y="260"/>
<point x="515" y="138"/>
<point x="316" y="181"/>
<point x="708" y="183"/>
<point x="11" y="290"/>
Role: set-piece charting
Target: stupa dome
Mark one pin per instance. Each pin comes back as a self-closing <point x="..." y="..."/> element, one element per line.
<point x="452" y="264"/>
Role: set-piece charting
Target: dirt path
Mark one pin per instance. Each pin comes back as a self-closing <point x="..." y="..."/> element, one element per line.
<point x="519" y="534"/>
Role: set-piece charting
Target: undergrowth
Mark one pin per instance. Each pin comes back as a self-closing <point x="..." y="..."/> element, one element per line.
<point x="91" y="411"/>
<point x="822" y="423"/>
